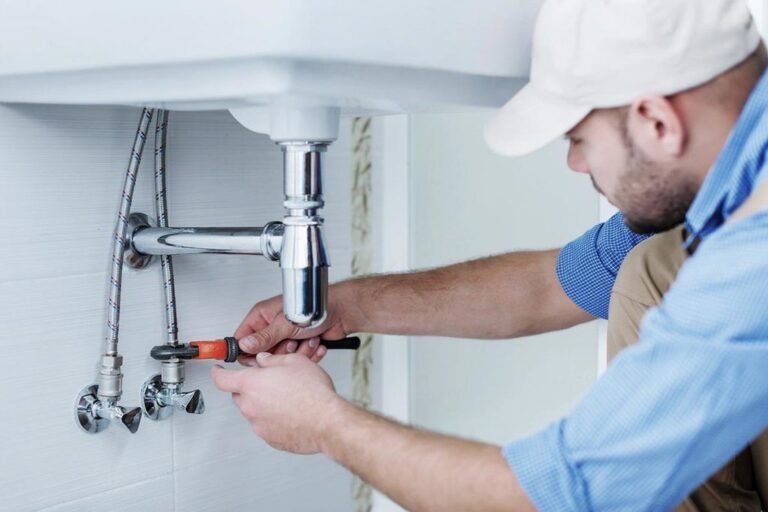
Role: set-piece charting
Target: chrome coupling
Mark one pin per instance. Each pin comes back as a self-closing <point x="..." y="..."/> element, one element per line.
<point x="272" y="240"/>
<point x="111" y="378"/>
<point x="173" y="372"/>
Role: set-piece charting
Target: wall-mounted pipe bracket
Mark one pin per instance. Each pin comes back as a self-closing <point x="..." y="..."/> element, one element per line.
<point x="137" y="222"/>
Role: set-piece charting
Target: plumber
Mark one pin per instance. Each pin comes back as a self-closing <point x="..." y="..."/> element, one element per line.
<point x="665" y="106"/>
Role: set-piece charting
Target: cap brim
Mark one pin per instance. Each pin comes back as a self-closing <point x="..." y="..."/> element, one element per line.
<point x="531" y="120"/>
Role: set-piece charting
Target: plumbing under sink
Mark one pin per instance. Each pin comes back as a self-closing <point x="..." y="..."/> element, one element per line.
<point x="289" y="69"/>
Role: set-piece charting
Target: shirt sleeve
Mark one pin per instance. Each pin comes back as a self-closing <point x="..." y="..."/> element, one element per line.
<point x="675" y="407"/>
<point x="587" y="266"/>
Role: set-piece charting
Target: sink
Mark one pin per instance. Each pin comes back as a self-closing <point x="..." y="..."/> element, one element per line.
<point x="360" y="57"/>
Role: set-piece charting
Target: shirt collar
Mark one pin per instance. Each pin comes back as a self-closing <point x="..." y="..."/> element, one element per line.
<point x="734" y="173"/>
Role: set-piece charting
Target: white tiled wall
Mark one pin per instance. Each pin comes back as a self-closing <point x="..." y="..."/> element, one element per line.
<point x="61" y="171"/>
<point x="466" y="203"/>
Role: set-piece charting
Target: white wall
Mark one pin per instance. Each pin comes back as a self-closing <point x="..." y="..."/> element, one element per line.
<point x="466" y="202"/>
<point x="61" y="170"/>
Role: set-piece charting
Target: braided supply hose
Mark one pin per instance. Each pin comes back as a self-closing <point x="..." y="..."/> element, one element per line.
<point x="118" y="246"/>
<point x="161" y="212"/>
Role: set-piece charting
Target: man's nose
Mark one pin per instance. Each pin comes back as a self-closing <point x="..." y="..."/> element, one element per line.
<point x="576" y="162"/>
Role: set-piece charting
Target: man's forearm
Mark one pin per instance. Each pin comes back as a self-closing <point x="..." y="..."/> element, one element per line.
<point x="421" y="470"/>
<point x="503" y="296"/>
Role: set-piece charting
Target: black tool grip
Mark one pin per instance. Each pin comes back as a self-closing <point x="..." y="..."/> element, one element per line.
<point x="166" y="352"/>
<point x="348" y="343"/>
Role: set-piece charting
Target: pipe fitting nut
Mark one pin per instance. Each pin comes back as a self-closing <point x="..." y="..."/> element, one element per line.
<point x="303" y="220"/>
<point x="172" y="372"/>
<point x="112" y="362"/>
<point x="110" y="385"/>
<point x="272" y="240"/>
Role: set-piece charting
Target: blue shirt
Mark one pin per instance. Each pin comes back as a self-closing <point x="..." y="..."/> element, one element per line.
<point x="587" y="267"/>
<point x="675" y="407"/>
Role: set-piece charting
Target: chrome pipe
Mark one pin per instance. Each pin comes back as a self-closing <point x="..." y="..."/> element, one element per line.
<point x="303" y="258"/>
<point x="265" y="240"/>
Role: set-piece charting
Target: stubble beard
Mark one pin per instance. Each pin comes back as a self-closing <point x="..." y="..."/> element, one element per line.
<point x="653" y="199"/>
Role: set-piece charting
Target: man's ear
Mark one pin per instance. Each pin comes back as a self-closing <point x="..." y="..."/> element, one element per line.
<point x="656" y="127"/>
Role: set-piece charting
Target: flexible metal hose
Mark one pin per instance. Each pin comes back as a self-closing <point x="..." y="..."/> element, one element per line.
<point x="161" y="211"/>
<point x="118" y="246"/>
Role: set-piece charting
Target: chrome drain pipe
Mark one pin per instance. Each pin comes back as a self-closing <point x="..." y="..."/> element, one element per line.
<point x="303" y="257"/>
<point x="147" y="241"/>
<point x="297" y="242"/>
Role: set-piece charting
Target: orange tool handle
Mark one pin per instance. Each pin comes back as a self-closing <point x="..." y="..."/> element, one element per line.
<point x="224" y="350"/>
<point x="216" y="349"/>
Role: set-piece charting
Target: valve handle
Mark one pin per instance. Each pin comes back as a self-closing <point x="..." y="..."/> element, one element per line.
<point x="129" y="418"/>
<point x="191" y="401"/>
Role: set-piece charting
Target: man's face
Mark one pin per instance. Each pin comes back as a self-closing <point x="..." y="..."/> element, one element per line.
<point x="653" y="196"/>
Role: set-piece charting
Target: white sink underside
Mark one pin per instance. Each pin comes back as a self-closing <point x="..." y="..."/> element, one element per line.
<point x="366" y="56"/>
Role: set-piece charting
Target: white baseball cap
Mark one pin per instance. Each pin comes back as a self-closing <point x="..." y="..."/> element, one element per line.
<point x="590" y="54"/>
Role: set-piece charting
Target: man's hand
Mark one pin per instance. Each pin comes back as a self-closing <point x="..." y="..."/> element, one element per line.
<point x="265" y="328"/>
<point x="290" y="402"/>
<point x="287" y="399"/>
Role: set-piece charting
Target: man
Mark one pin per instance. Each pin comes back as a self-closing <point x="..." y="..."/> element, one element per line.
<point x="664" y="107"/>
